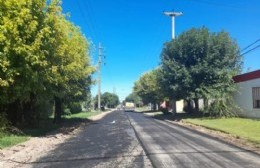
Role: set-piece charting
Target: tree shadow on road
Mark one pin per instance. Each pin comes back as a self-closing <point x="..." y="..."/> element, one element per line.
<point x="108" y="142"/>
<point x="178" y="116"/>
<point x="47" y="127"/>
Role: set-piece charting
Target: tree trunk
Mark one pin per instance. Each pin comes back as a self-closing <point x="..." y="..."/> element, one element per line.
<point x="14" y="112"/>
<point x="173" y="105"/>
<point x="58" y="110"/>
<point x="189" y="106"/>
<point x="206" y="103"/>
<point x="29" y="112"/>
<point x="196" y="102"/>
<point x="154" y="106"/>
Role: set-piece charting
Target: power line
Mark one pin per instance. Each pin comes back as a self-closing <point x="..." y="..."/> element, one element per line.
<point x="250" y="50"/>
<point x="87" y="20"/>
<point x="250" y="45"/>
<point x="216" y="4"/>
<point x="156" y="39"/>
<point x="89" y="11"/>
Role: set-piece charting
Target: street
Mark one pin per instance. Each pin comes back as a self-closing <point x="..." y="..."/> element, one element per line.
<point x="108" y="142"/>
<point x="74" y="75"/>
<point x="169" y="145"/>
<point x="112" y="142"/>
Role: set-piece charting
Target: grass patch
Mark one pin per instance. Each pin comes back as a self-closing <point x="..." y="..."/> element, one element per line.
<point x="46" y="126"/>
<point x="142" y="109"/>
<point x="248" y="129"/>
<point x="8" y="140"/>
<point x="82" y="115"/>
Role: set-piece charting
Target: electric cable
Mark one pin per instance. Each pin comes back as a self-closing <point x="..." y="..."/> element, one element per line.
<point x="250" y="45"/>
<point x="250" y="50"/>
<point x="216" y="4"/>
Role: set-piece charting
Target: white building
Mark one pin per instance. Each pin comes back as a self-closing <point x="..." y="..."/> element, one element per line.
<point x="248" y="95"/>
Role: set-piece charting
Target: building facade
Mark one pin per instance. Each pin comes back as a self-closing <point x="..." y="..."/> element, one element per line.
<point x="248" y="95"/>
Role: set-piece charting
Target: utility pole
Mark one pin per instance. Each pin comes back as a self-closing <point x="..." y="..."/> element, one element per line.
<point x="114" y="90"/>
<point x="173" y="15"/>
<point x="100" y="61"/>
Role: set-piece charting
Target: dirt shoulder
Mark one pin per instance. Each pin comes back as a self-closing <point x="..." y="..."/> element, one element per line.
<point x="22" y="154"/>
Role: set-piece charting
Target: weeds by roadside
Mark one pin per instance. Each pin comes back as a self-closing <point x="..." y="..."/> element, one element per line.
<point x="9" y="138"/>
<point x="238" y="127"/>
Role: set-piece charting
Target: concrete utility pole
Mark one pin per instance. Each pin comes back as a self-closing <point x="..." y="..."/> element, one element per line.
<point x="100" y="60"/>
<point x="114" y="90"/>
<point x="173" y="15"/>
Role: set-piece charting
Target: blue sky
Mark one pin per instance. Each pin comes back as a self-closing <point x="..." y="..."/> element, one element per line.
<point x="133" y="32"/>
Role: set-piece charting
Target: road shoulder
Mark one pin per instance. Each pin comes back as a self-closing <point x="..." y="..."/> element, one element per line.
<point x="37" y="147"/>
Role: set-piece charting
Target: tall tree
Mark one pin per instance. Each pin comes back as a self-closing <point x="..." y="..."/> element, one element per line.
<point x="69" y="68"/>
<point x="43" y="56"/>
<point x="21" y="60"/>
<point x="133" y="97"/>
<point x="200" y="64"/>
<point x="148" y="87"/>
<point x="109" y="100"/>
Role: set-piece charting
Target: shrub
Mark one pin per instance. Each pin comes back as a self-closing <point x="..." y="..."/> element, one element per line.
<point x="222" y="108"/>
<point x="66" y="112"/>
<point x="75" y="107"/>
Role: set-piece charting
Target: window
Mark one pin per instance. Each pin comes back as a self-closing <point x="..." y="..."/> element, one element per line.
<point x="256" y="97"/>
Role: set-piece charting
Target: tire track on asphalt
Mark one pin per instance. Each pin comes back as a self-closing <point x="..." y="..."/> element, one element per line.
<point x="140" y="141"/>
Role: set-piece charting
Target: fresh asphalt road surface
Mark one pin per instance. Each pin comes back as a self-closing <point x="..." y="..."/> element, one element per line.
<point x="111" y="142"/>
<point x="107" y="143"/>
<point x="170" y="145"/>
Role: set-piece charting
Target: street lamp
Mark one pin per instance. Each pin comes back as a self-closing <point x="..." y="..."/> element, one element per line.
<point x="173" y="15"/>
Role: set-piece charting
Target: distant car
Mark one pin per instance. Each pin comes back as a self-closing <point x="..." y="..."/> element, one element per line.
<point x="129" y="106"/>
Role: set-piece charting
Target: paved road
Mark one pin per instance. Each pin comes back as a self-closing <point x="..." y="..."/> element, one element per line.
<point x="107" y="143"/>
<point x="111" y="142"/>
<point x="169" y="145"/>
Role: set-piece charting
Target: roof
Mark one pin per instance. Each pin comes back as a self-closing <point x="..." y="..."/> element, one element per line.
<point x="247" y="76"/>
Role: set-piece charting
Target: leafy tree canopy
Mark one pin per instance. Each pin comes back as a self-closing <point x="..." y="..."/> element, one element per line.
<point x="133" y="97"/>
<point x="148" y="87"/>
<point x="200" y="64"/>
<point x="110" y="100"/>
<point x="43" y="56"/>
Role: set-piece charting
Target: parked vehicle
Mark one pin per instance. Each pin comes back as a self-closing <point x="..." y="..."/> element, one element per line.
<point x="129" y="106"/>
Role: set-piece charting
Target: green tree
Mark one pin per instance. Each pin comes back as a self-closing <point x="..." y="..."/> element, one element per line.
<point x="21" y="59"/>
<point x="43" y="58"/>
<point x="133" y="97"/>
<point x="109" y="100"/>
<point x="148" y="87"/>
<point x="199" y="64"/>
<point x="69" y="68"/>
